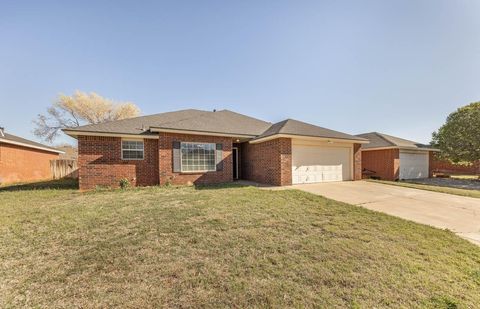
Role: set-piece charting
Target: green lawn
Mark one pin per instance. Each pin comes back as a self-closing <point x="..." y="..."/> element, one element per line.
<point x="449" y="190"/>
<point x="223" y="247"/>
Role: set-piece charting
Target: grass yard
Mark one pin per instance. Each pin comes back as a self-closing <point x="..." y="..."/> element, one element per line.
<point x="465" y="176"/>
<point x="222" y="247"/>
<point x="449" y="190"/>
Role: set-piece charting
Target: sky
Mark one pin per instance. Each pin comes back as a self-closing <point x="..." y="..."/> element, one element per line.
<point x="396" y="67"/>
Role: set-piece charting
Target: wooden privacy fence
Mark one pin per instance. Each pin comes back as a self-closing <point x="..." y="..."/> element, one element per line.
<point x="455" y="169"/>
<point x="64" y="169"/>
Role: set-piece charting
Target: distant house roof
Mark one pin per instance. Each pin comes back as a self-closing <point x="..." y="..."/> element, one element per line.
<point x="223" y="122"/>
<point x="295" y="127"/>
<point x="380" y="140"/>
<point x="20" y="141"/>
<point x="69" y="152"/>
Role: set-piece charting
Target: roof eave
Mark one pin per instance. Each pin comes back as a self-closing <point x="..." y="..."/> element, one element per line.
<point x="419" y="149"/>
<point x="7" y="141"/>
<point x="76" y="133"/>
<point x="401" y="148"/>
<point x="319" y="138"/>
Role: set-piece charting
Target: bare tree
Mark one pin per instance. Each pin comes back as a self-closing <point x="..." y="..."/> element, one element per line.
<point x="79" y="109"/>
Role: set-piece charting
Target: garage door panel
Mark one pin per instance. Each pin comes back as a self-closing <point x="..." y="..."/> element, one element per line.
<point x="413" y="165"/>
<point x="333" y="175"/>
<point x="312" y="164"/>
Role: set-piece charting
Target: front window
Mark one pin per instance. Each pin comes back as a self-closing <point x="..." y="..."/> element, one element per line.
<point x="132" y="150"/>
<point x="198" y="157"/>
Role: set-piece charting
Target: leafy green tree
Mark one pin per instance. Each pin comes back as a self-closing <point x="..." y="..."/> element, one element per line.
<point x="459" y="137"/>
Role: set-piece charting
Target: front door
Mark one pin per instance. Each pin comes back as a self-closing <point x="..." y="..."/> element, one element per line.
<point x="235" y="162"/>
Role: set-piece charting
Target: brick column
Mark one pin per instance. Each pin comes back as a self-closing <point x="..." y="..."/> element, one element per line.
<point x="430" y="163"/>
<point x="357" y="162"/>
<point x="285" y="150"/>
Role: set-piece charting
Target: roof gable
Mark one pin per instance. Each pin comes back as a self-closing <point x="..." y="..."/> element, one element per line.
<point x="295" y="127"/>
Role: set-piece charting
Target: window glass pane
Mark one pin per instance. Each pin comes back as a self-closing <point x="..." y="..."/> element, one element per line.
<point x="132" y="150"/>
<point x="198" y="157"/>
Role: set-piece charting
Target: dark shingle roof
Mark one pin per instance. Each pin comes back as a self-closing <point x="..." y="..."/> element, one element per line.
<point x="295" y="127"/>
<point x="137" y="125"/>
<point x="9" y="138"/>
<point x="379" y="140"/>
<point x="223" y="121"/>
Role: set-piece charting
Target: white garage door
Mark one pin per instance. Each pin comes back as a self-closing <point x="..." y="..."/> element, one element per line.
<point x="320" y="164"/>
<point x="413" y="165"/>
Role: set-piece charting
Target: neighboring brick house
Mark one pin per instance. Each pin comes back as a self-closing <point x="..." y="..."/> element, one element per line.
<point x="392" y="158"/>
<point x="22" y="160"/>
<point x="201" y="147"/>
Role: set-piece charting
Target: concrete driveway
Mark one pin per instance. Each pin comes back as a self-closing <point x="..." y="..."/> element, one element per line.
<point x="446" y="211"/>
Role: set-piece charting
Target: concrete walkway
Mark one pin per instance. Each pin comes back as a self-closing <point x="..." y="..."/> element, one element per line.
<point x="446" y="211"/>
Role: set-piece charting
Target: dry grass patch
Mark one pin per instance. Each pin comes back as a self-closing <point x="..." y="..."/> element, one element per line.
<point x="223" y="247"/>
<point x="449" y="190"/>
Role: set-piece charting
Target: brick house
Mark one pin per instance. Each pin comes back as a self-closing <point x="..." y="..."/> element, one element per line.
<point x="392" y="158"/>
<point x="202" y="147"/>
<point x="22" y="160"/>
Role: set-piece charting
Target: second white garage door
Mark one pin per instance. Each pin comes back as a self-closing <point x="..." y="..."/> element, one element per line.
<point x="413" y="165"/>
<point x="321" y="163"/>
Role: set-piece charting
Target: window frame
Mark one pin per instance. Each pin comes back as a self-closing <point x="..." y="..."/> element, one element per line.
<point x="198" y="171"/>
<point x="133" y="140"/>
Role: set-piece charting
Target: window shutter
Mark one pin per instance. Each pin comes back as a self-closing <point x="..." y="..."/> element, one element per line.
<point x="219" y="156"/>
<point x="176" y="157"/>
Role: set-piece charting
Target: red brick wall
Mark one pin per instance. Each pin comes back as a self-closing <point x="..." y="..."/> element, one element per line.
<point x="385" y="163"/>
<point x="23" y="164"/>
<point x="357" y="162"/>
<point x="451" y="168"/>
<point x="269" y="162"/>
<point x="166" y="157"/>
<point x="100" y="163"/>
